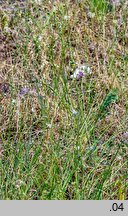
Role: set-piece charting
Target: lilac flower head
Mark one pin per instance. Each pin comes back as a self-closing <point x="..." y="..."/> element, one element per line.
<point x="80" y="75"/>
<point x="80" y="72"/>
<point x="125" y="136"/>
<point x="24" y="91"/>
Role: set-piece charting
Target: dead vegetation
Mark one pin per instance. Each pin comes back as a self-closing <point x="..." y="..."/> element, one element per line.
<point x="41" y="44"/>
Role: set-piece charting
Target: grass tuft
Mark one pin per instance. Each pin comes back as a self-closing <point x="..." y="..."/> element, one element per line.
<point x="63" y="100"/>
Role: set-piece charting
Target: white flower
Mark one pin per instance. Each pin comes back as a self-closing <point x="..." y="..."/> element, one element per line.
<point x="19" y="183"/>
<point x="13" y="101"/>
<point x="49" y="125"/>
<point x="40" y="38"/>
<point x="33" y="110"/>
<point x="74" y="112"/>
<point x="66" y="17"/>
<point x="38" y="1"/>
<point x="119" y="157"/>
<point x="116" y="3"/>
<point x="78" y="148"/>
<point x="80" y="72"/>
<point x="86" y="68"/>
<point x="92" y="148"/>
<point x="91" y="15"/>
<point x="77" y="74"/>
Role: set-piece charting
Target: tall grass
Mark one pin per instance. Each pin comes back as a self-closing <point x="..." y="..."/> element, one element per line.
<point x="63" y="138"/>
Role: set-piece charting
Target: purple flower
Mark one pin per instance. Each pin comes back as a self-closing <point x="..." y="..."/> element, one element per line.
<point x="125" y="136"/>
<point x="80" y="75"/>
<point x="80" y="72"/>
<point x="24" y="91"/>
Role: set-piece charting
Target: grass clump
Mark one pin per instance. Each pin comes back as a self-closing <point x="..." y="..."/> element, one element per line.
<point x="63" y="100"/>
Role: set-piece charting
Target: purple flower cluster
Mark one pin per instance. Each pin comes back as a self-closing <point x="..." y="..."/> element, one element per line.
<point x="24" y="91"/>
<point x="80" y="75"/>
<point x="80" y="72"/>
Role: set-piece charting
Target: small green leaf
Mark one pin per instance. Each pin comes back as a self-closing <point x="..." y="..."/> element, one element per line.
<point x="111" y="97"/>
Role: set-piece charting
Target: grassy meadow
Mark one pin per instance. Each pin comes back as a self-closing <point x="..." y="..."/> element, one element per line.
<point x="64" y="100"/>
